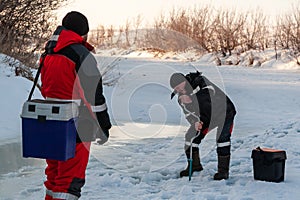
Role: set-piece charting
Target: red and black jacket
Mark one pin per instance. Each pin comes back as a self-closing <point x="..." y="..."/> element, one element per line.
<point x="70" y="72"/>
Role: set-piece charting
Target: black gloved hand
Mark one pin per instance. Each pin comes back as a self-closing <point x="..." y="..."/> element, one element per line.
<point x="103" y="136"/>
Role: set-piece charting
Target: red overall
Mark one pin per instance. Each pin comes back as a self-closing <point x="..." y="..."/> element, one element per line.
<point x="64" y="178"/>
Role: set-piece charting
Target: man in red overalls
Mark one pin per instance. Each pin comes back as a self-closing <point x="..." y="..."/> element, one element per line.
<point x="70" y="72"/>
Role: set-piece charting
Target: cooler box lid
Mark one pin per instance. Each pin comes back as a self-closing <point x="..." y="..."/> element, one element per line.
<point x="50" y="110"/>
<point x="268" y="153"/>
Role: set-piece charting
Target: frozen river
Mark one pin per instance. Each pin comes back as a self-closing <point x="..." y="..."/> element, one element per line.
<point x="264" y="98"/>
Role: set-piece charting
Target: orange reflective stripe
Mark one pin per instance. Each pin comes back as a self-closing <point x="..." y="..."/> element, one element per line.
<point x="270" y="150"/>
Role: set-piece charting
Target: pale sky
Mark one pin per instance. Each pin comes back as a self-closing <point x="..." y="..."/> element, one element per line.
<point x="116" y="12"/>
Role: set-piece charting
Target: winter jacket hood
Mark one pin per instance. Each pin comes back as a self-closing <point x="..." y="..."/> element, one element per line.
<point x="67" y="38"/>
<point x="63" y="38"/>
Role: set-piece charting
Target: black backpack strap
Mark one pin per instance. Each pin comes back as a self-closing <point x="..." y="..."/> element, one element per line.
<point x="37" y="76"/>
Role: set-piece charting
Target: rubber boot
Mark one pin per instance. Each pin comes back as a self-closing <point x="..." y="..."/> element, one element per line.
<point x="223" y="168"/>
<point x="196" y="165"/>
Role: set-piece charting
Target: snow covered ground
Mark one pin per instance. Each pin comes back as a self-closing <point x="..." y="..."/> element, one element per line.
<point x="144" y="155"/>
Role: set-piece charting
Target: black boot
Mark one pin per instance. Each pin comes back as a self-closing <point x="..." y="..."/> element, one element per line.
<point x="223" y="168"/>
<point x="196" y="166"/>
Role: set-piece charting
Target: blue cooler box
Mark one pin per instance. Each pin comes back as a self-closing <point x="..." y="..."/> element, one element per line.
<point x="49" y="129"/>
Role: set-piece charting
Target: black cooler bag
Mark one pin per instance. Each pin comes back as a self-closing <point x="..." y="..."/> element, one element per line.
<point x="268" y="164"/>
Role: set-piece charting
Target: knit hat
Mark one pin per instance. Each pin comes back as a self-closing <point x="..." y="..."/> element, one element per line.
<point x="77" y="22"/>
<point x="176" y="79"/>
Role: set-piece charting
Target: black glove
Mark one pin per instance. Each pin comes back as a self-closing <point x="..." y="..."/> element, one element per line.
<point x="103" y="120"/>
<point x="103" y="136"/>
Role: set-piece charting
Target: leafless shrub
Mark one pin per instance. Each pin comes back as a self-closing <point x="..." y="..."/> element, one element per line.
<point x="111" y="34"/>
<point x="255" y="33"/>
<point x="109" y="70"/>
<point x="202" y="27"/>
<point x="97" y="37"/>
<point x="221" y="32"/>
<point x="228" y="26"/>
<point x="168" y="40"/>
<point x="19" y="68"/>
<point x="122" y="37"/>
<point x="137" y="24"/>
<point x="25" y="26"/>
<point x="287" y="32"/>
<point x="179" y="21"/>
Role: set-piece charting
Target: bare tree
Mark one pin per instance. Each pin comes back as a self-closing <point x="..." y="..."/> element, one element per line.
<point x="174" y="33"/>
<point x="283" y="31"/>
<point x="295" y="36"/>
<point x="110" y="34"/>
<point x="287" y="32"/>
<point x="179" y="21"/>
<point x="137" y="24"/>
<point x="228" y="28"/>
<point x="201" y="24"/>
<point x="127" y="33"/>
<point x="224" y="32"/>
<point x="97" y="37"/>
<point x="255" y="32"/>
<point x="25" y="26"/>
<point x="154" y="38"/>
<point x="119" y="37"/>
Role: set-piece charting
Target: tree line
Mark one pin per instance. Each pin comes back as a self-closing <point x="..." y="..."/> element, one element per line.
<point x="219" y="31"/>
<point x="27" y="24"/>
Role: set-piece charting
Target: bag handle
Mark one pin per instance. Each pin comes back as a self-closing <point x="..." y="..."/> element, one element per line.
<point x="37" y="75"/>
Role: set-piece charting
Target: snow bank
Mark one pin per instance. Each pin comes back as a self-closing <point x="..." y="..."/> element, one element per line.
<point x="281" y="59"/>
<point x="14" y="91"/>
<point x="144" y="154"/>
<point x="265" y="59"/>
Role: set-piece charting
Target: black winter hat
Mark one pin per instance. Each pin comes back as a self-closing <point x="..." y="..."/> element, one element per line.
<point x="77" y="22"/>
<point x="176" y="79"/>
